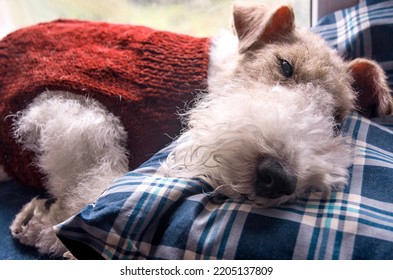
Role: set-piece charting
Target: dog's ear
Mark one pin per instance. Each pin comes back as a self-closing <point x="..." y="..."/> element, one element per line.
<point x="370" y="82"/>
<point x="258" y="25"/>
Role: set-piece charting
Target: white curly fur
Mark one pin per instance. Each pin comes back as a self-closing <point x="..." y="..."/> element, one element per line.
<point x="80" y="147"/>
<point x="223" y="147"/>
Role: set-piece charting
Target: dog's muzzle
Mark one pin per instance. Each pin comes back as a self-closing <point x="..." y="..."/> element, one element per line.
<point x="273" y="180"/>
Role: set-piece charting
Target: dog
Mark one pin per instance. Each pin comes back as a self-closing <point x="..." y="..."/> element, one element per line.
<point x="266" y="132"/>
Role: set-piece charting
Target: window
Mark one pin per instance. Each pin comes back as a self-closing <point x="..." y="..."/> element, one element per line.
<point x="322" y="8"/>
<point x="194" y="17"/>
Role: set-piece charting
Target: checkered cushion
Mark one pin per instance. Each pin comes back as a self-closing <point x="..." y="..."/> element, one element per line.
<point x="145" y="216"/>
<point x="365" y="30"/>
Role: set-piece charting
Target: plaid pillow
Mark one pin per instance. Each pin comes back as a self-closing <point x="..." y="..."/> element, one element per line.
<point x="145" y="216"/>
<point x="365" y="30"/>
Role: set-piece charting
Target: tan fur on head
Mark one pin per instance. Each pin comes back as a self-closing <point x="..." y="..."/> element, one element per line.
<point x="256" y="26"/>
<point x="267" y="36"/>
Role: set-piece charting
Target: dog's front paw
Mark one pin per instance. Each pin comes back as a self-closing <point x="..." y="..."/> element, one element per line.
<point x="27" y="223"/>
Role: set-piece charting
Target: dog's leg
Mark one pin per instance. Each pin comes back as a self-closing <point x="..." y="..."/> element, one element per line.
<point x="33" y="226"/>
<point x="80" y="148"/>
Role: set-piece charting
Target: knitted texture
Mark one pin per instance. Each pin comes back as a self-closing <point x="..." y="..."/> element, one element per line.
<point x="141" y="75"/>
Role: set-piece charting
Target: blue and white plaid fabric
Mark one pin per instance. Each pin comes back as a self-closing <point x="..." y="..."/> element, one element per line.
<point x="145" y="216"/>
<point x="365" y="30"/>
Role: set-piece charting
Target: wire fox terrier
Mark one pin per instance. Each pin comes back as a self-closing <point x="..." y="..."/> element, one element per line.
<point x="266" y="132"/>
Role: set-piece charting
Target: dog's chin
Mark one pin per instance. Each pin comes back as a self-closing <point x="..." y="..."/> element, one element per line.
<point x="254" y="199"/>
<point x="249" y="196"/>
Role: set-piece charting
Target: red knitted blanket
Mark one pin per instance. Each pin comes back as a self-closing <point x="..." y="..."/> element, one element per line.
<point x="142" y="75"/>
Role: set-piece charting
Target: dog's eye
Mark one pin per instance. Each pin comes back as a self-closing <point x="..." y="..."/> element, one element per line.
<point x="286" y="68"/>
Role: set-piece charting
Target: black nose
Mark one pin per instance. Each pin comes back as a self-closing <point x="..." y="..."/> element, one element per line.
<point x="273" y="180"/>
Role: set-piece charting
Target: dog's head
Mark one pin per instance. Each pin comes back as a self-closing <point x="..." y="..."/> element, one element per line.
<point x="289" y="56"/>
<point x="267" y="130"/>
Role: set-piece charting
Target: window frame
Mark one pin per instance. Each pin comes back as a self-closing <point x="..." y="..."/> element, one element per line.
<point x="321" y="8"/>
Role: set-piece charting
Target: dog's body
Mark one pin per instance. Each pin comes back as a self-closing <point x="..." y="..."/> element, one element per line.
<point x="266" y="132"/>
